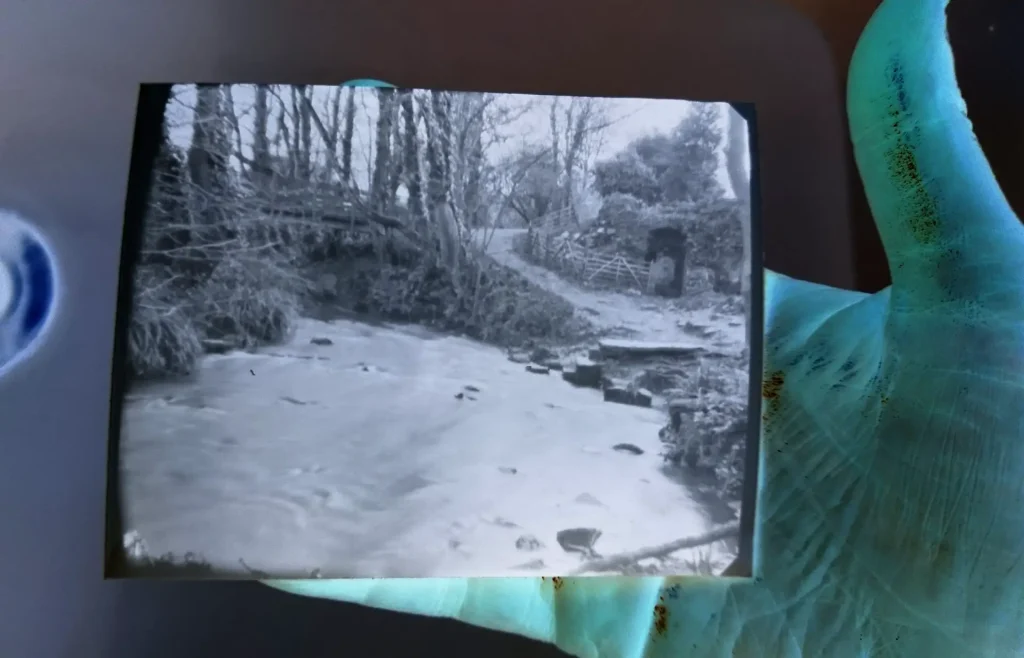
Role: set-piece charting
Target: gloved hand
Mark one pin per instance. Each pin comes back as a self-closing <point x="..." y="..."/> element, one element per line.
<point x="891" y="506"/>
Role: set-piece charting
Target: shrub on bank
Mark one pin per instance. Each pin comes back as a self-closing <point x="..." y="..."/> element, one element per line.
<point x="244" y="304"/>
<point x="162" y="340"/>
<point x="162" y="337"/>
<point x="479" y="299"/>
<point x="253" y="298"/>
<point x="707" y="431"/>
<point x="249" y="302"/>
<point x="171" y="566"/>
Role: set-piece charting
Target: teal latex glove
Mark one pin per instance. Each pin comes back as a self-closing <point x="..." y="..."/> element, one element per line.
<point x="891" y="508"/>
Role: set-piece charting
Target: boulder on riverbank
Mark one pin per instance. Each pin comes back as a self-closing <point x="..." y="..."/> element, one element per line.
<point x="584" y="373"/>
<point x="624" y="395"/>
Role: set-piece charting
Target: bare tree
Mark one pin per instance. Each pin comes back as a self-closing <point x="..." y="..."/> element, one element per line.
<point x="468" y="114"/>
<point x="577" y="126"/>
<point x="550" y="175"/>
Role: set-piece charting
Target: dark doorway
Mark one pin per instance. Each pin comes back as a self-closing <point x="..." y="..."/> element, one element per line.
<point x="666" y="247"/>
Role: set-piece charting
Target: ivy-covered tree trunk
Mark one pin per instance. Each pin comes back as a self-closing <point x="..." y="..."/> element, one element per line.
<point x="556" y="149"/>
<point x="380" y="178"/>
<point x="333" y="130"/>
<point x="411" y="157"/>
<point x="437" y="191"/>
<point x="286" y="163"/>
<point x="445" y="225"/>
<point x="397" y="172"/>
<point x="209" y="171"/>
<point x="304" y="138"/>
<point x="441" y="102"/>
<point x="346" y="139"/>
<point x="260" y="168"/>
<point x="474" y="177"/>
<point x="207" y="156"/>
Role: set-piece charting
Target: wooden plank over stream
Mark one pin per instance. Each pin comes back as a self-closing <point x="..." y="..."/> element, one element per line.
<point x="615" y="348"/>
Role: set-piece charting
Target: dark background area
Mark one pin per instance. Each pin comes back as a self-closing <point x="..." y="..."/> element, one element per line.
<point x="65" y="128"/>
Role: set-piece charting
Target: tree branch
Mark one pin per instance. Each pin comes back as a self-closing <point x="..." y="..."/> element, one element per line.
<point x="614" y="562"/>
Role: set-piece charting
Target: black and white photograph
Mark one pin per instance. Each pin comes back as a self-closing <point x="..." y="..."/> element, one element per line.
<point x="384" y="332"/>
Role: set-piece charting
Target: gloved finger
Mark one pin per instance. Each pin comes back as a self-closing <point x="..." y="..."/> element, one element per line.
<point x="947" y="228"/>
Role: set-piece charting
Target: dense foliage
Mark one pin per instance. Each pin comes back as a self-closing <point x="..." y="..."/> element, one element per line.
<point x="225" y="264"/>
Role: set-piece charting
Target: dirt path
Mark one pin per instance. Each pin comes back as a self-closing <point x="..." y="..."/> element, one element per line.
<point x="621" y="314"/>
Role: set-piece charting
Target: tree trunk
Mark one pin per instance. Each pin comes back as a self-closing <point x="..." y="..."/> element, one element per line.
<point x="295" y="144"/>
<point x="285" y="133"/>
<point x="210" y="174"/>
<point x="441" y="102"/>
<point x="333" y="129"/>
<point x="382" y="159"/>
<point x="346" y="140"/>
<point x="397" y="172"/>
<point x="443" y="224"/>
<point x="474" y="175"/>
<point x="304" y="169"/>
<point x="577" y="127"/>
<point x="260" y="169"/>
<point x="436" y="120"/>
<point x="411" y="155"/>
<point x="204" y="163"/>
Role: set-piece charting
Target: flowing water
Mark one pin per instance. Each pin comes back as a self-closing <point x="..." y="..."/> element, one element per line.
<point x="390" y="452"/>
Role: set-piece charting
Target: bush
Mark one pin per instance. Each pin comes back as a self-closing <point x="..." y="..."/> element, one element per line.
<point x="161" y="341"/>
<point x="141" y="563"/>
<point x="169" y="565"/>
<point x="710" y="434"/>
<point x="480" y="299"/>
<point x="621" y="210"/>
<point x="249" y="303"/>
<point x="627" y="174"/>
<point x="162" y="338"/>
<point x="218" y="259"/>
<point x="245" y="302"/>
<point x="716" y="232"/>
<point x="676" y="215"/>
<point x="513" y="311"/>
